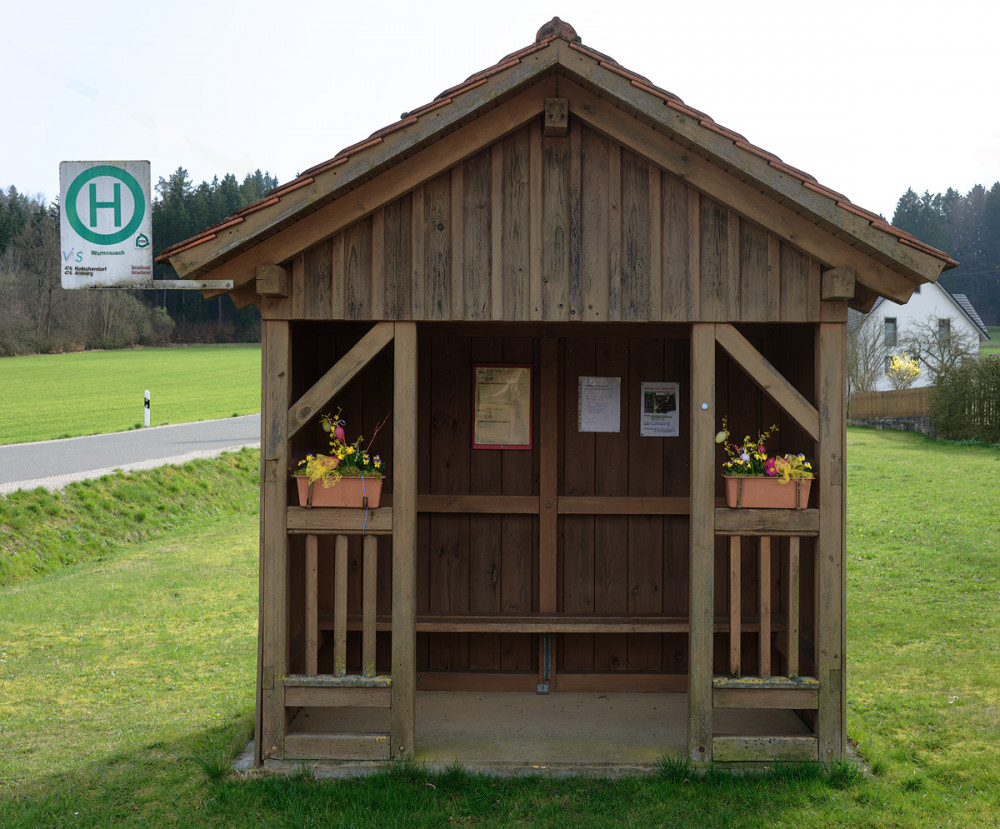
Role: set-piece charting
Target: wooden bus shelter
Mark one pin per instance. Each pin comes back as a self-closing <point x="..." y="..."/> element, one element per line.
<point x="558" y="219"/>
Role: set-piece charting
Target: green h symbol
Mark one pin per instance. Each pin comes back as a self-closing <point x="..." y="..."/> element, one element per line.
<point x="116" y="203"/>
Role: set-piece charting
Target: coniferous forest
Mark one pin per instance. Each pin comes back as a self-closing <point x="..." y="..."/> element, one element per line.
<point x="40" y="317"/>
<point x="966" y="227"/>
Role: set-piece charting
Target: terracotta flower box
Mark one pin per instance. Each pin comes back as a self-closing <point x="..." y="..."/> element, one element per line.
<point x="347" y="492"/>
<point x="750" y="492"/>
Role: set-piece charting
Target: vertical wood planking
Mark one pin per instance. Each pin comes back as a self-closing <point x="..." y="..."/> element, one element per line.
<point x="273" y="624"/>
<point x="338" y="292"/>
<point x="312" y="610"/>
<point x="675" y="263"/>
<point x="437" y="249"/>
<point x="614" y="231"/>
<point x="794" y="591"/>
<point x="794" y="284"/>
<point x="830" y="349"/>
<point x="576" y="565"/>
<point x="397" y="261"/>
<point x="735" y="610"/>
<point x="450" y="470"/>
<point x="764" y="582"/>
<point x="520" y="534"/>
<point x="485" y="540"/>
<point x="376" y="304"/>
<point x="477" y="272"/>
<point x="702" y="541"/>
<point x="753" y="273"/>
<point x="714" y="261"/>
<point x="635" y="238"/>
<point x="459" y="267"/>
<point x="645" y="532"/>
<point x="611" y="532"/>
<point x="548" y="445"/>
<point x="773" y="313"/>
<point x="694" y="275"/>
<point x="654" y="305"/>
<point x="340" y="606"/>
<point x="536" y="233"/>
<point x="358" y="269"/>
<point x="404" y="540"/>
<point x="733" y="265"/>
<point x="594" y="226"/>
<point x="574" y="211"/>
<point x="814" y="301"/>
<point x="295" y="304"/>
<point x="496" y="226"/>
<point x="318" y="281"/>
<point x="556" y="229"/>
<point x="418" y="263"/>
<point x="515" y="226"/>
<point x="369" y="605"/>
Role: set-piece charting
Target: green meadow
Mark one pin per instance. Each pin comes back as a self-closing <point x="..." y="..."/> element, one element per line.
<point x="50" y="396"/>
<point x="127" y="671"/>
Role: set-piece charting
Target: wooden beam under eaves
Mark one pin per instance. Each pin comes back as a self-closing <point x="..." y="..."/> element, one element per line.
<point x="770" y="380"/>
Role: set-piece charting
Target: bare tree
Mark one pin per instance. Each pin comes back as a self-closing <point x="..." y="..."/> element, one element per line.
<point x="866" y="355"/>
<point x="939" y="347"/>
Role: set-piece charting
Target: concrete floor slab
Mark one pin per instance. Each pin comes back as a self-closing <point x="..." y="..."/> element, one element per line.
<point x="605" y="734"/>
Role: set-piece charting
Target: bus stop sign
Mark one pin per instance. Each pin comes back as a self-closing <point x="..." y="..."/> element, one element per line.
<point x="105" y="224"/>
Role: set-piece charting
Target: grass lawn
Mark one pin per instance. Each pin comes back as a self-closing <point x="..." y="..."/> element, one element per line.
<point x="127" y="684"/>
<point x="992" y="346"/>
<point x="50" y="396"/>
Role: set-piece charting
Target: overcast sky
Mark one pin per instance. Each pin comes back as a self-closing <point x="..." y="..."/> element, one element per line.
<point x="869" y="96"/>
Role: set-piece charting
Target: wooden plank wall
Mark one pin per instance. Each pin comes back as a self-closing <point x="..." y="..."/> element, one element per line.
<point x="565" y="229"/>
<point x="606" y="565"/>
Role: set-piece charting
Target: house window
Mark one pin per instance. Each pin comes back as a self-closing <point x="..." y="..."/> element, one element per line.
<point x="944" y="329"/>
<point x="890" y="331"/>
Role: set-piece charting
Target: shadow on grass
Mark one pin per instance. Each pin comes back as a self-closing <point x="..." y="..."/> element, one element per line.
<point x="189" y="782"/>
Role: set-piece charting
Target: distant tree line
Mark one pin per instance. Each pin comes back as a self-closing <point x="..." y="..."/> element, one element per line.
<point x="38" y="316"/>
<point x="968" y="229"/>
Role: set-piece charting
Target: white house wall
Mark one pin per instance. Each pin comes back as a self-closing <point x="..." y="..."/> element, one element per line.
<point x="932" y="301"/>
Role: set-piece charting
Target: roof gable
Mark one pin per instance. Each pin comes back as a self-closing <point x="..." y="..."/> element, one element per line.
<point x="889" y="261"/>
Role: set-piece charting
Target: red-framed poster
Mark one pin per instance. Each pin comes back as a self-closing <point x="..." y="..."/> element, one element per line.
<point x="501" y="406"/>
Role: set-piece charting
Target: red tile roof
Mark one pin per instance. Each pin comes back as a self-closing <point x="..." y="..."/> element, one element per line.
<point x="553" y="30"/>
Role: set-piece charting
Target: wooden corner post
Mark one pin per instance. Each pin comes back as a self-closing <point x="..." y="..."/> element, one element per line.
<point x="404" y="539"/>
<point x="272" y="638"/>
<point x="830" y="347"/>
<point x="703" y="474"/>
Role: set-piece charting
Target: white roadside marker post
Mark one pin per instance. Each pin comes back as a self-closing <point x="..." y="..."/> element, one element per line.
<point x="145" y="411"/>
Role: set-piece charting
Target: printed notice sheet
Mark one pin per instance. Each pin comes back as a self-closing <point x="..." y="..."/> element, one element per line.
<point x="600" y="404"/>
<point x="660" y="407"/>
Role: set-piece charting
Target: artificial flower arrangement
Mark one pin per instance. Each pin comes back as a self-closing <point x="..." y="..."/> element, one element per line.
<point x="750" y="458"/>
<point x="344" y="460"/>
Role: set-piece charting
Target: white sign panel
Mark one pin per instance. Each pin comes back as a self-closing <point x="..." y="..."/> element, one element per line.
<point x="600" y="404"/>
<point x="106" y="224"/>
<point x="660" y="407"/>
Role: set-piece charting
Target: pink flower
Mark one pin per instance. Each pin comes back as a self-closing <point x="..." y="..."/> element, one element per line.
<point x="769" y="467"/>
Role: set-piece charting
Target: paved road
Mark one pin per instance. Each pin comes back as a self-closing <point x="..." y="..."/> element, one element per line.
<point x="53" y="464"/>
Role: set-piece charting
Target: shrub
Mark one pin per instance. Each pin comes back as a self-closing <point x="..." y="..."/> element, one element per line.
<point x="965" y="405"/>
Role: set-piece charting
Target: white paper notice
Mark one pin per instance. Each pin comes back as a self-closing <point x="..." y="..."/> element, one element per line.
<point x="660" y="407"/>
<point x="600" y="404"/>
